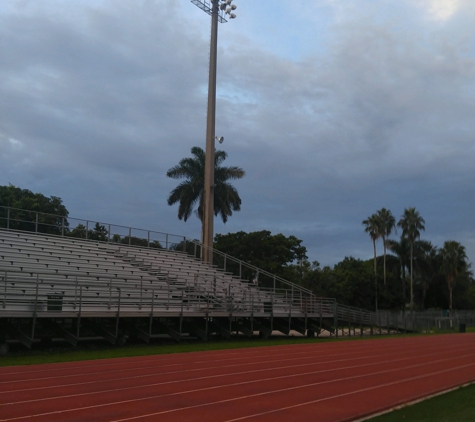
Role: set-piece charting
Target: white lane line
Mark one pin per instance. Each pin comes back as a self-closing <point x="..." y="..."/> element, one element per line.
<point x="145" y="367"/>
<point x="294" y="388"/>
<point x="163" y="359"/>
<point x="234" y="385"/>
<point x="267" y="360"/>
<point x="207" y="377"/>
<point x="362" y="390"/>
<point x="201" y="378"/>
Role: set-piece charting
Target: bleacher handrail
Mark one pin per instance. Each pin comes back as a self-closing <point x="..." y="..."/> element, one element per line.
<point x="170" y="241"/>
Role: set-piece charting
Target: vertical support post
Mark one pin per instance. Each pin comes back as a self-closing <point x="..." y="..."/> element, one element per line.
<point x="272" y="312"/>
<point x="75" y="292"/>
<point x="5" y="290"/>
<point x="109" y="234"/>
<point x="36" y="223"/>
<point x="8" y="218"/>
<point x="87" y="228"/>
<point x="141" y="292"/>
<point x="36" y="309"/>
<point x="208" y="222"/>
<point x="130" y="236"/>
<point x="335" y="316"/>
<point x="148" y="238"/>
<point x="321" y="314"/>
<point x="151" y="315"/>
<point x="361" y="323"/>
<point x="79" y="313"/>
<point x="181" y="311"/>
<point x="62" y="226"/>
<point x="166" y="241"/>
<point x="118" y="316"/>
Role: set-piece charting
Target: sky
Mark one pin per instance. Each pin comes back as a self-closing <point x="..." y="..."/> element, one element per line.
<point x="334" y="109"/>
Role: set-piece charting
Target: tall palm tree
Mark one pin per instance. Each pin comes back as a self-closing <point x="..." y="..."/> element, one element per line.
<point x="373" y="228"/>
<point x="387" y="225"/>
<point x="402" y="250"/>
<point x="411" y="224"/>
<point x="426" y="260"/>
<point x="191" y="191"/>
<point x="454" y="262"/>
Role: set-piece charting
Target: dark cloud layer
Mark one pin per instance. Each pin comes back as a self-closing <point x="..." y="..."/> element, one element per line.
<point x="99" y="99"/>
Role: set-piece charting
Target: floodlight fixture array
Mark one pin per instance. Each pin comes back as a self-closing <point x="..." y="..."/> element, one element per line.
<point x="225" y="8"/>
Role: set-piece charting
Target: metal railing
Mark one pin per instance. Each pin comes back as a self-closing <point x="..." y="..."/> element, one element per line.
<point x="38" y="222"/>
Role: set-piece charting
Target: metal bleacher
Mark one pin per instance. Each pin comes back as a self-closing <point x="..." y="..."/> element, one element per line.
<point x="55" y="286"/>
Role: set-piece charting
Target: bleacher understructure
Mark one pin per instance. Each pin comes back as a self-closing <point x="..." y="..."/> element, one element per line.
<point x="55" y="287"/>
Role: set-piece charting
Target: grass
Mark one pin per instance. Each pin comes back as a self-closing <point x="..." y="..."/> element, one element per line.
<point x="455" y="406"/>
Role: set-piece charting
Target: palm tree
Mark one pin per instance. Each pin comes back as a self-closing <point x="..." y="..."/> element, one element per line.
<point x="402" y="250"/>
<point x="387" y="225"/>
<point x="411" y="224"/>
<point x="373" y="227"/>
<point x="454" y="262"/>
<point x="426" y="260"/>
<point x="191" y="191"/>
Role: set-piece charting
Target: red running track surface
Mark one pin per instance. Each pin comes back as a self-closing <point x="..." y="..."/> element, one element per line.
<point x="338" y="381"/>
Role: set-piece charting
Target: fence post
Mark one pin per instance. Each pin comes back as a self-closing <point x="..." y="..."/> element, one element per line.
<point x="87" y="228"/>
<point x="8" y="218"/>
<point x="36" y="223"/>
<point x="130" y="236"/>
<point x="62" y="227"/>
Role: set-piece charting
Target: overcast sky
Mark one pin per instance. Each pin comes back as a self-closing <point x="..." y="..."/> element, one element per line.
<point x="334" y="108"/>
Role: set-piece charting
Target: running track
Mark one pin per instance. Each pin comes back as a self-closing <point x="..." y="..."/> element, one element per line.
<point x="338" y="381"/>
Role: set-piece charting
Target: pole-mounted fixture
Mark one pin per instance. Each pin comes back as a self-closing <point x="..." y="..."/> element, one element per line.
<point x="219" y="10"/>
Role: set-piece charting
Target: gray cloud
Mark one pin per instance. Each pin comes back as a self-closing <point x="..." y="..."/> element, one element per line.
<point x="99" y="100"/>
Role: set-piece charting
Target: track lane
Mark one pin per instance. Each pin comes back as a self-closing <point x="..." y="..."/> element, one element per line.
<point x="137" y="396"/>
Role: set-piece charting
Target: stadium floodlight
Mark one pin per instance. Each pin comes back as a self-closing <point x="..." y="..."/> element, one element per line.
<point x="208" y="5"/>
<point x="217" y="9"/>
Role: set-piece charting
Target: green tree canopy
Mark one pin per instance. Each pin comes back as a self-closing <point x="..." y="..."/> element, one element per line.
<point x="191" y="191"/>
<point x="272" y="253"/>
<point x="50" y="211"/>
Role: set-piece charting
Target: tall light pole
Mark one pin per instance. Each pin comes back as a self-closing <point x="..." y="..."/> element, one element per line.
<point x="218" y="9"/>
